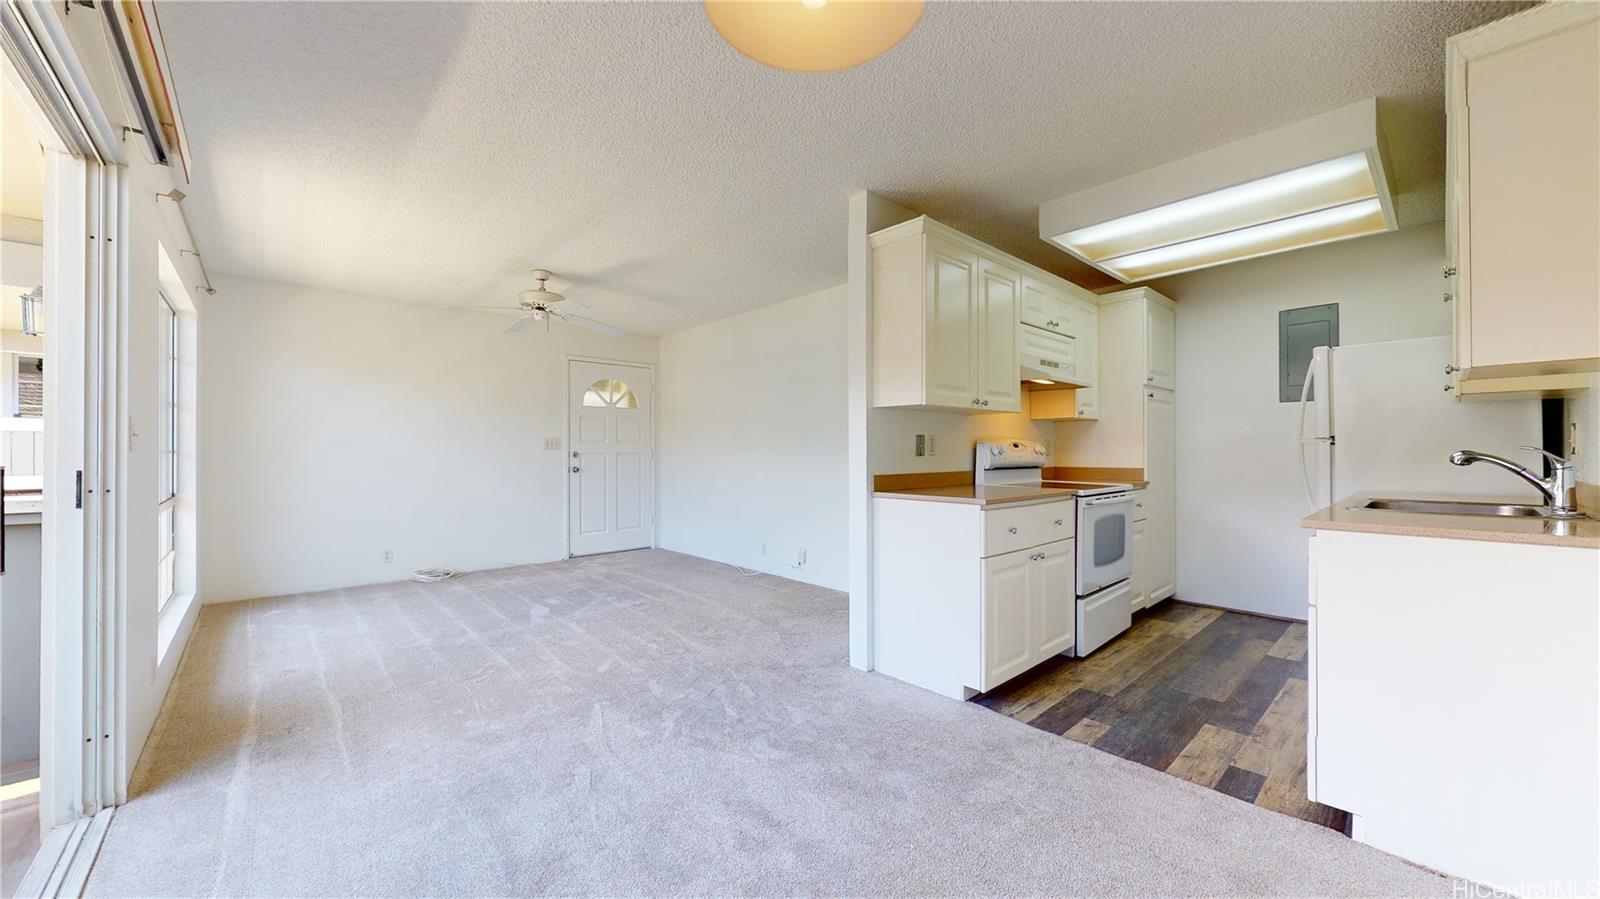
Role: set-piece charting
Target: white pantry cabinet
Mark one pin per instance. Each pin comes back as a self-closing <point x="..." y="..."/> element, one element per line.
<point x="1136" y="423"/>
<point x="967" y="597"/>
<point x="1522" y="222"/>
<point x="944" y="326"/>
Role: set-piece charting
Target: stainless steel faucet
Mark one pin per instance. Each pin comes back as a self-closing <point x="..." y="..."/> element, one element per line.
<point x="1560" y="489"/>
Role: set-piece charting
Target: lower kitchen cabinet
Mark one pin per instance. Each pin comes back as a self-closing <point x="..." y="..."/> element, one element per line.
<point x="1028" y="610"/>
<point x="1141" y="593"/>
<point x="967" y="597"/>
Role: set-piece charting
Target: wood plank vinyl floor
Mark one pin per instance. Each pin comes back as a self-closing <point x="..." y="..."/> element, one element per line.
<point x="1217" y="698"/>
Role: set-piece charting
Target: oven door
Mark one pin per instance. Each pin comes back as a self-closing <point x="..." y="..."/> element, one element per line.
<point x="1105" y="541"/>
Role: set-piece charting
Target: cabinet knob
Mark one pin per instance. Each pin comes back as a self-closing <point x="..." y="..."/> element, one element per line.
<point x="1450" y="369"/>
<point x="974" y="401"/>
<point x="1449" y="387"/>
<point x="1150" y="379"/>
<point x="986" y="402"/>
<point x="1449" y="271"/>
<point x="1448" y="298"/>
<point x="574" y="469"/>
<point x="1012" y="530"/>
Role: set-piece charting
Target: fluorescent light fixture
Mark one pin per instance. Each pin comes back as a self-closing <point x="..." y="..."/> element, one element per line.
<point x="1356" y="219"/>
<point x="1313" y="182"/>
<point x="1040" y="381"/>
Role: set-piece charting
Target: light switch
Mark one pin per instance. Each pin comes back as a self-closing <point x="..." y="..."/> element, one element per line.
<point x="930" y="445"/>
<point x="552" y="443"/>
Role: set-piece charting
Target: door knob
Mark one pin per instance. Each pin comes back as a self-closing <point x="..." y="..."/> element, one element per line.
<point x="574" y="469"/>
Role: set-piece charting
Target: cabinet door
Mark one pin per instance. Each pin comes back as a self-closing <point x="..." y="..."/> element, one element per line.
<point x="1141" y="596"/>
<point x="1007" y="647"/>
<point x="1088" y="398"/>
<point x="1160" y="346"/>
<point x="951" y="356"/>
<point x="1039" y="305"/>
<point x="1160" y="498"/>
<point x="1055" y="600"/>
<point x="999" y="376"/>
<point x="1533" y="135"/>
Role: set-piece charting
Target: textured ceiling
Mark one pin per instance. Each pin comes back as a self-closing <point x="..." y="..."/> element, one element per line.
<point x="437" y="152"/>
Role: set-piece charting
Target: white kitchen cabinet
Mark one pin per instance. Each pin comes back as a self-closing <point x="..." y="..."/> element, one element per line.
<point x="968" y="597"/>
<point x="1137" y="581"/>
<point x="1413" y="643"/>
<point x="1028" y="610"/>
<point x="1087" y="399"/>
<point x="1522" y="223"/>
<point x="999" y="388"/>
<point x="1161" y="346"/>
<point x="1136" y="423"/>
<point x="944" y="322"/>
<point x="1055" y="602"/>
<point x="1161" y="518"/>
<point x="1008" y="599"/>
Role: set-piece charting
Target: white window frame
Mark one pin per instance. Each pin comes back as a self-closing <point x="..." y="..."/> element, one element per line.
<point x="167" y="457"/>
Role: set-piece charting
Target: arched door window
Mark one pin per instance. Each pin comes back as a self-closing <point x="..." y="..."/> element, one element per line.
<point x="610" y="393"/>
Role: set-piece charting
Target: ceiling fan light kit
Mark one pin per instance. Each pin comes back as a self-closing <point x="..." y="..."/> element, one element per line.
<point x="538" y="305"/>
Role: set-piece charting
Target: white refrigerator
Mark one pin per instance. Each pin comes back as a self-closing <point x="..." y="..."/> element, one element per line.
<point x="1376" y="418"/>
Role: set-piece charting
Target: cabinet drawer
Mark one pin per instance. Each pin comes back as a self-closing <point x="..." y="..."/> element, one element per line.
<point x="1019" y="527"/>
<point x="1058" y="520"/>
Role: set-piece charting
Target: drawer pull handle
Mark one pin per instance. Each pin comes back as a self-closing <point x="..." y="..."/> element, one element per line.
<point x="1012" y="530"/>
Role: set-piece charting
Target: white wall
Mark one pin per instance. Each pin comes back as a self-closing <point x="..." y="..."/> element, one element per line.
<point x="894" y="437"/>
<point x="337" y="426"/>
<point x="753" y="439"/>
<point x="1240" y="499"/>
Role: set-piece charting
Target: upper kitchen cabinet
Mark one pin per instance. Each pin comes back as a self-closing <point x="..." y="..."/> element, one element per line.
<point x="944" y="321"/>
<point x="1161" y="325"/>
<point x="1522" y="224"/>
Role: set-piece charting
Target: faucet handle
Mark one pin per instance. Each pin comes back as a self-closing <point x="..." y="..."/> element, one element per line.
<point x="1555" y="460"/>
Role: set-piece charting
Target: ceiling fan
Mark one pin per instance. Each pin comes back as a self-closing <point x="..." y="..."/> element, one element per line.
<point x="541" y="305"/>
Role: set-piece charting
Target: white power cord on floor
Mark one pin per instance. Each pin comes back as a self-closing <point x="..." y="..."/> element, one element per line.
<point x="433" y="575"/>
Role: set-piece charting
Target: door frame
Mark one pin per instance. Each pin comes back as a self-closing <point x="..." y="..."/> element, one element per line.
<point x="566" y="449"/>
<point x="86" y="227"/>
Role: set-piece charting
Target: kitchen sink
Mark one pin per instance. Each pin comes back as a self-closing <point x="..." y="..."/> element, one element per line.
<point x="1451" y="507"/>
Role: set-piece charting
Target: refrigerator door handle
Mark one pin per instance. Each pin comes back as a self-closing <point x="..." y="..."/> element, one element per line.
<point x="1305" y="399"/>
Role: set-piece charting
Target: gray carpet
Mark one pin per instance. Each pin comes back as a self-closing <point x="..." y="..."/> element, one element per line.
<point x="645" y="723"/>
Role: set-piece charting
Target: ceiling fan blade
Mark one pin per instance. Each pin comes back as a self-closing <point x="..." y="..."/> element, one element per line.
<point x="504" y="310"/>
<point x="591" y="324"/>
<point x="519" y="324"/>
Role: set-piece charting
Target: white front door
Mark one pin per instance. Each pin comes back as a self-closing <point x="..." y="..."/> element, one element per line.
<point x="610" y="469"/>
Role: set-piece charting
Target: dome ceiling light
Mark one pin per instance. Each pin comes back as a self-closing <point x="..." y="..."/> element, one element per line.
<point x="813" y="35"/>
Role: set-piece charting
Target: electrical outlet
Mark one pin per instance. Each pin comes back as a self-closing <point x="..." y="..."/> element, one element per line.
<point x="388" y="555"/>
<point x="552" y="443"/>
<point x="763" y="549"/>
<point x="800" y="560"/>
<point x="922" y="445"/>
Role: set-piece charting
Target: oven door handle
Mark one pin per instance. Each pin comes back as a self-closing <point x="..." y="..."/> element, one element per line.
<point x="1106" y="500"/>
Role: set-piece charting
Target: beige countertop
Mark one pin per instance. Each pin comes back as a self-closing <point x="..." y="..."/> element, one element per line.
<point x="1346" y="515"/>
<point x="981" y="495"/>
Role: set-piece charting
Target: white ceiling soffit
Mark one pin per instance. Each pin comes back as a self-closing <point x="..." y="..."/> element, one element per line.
<point x="438" y="152"/>
<point x="1317" y="181"/>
